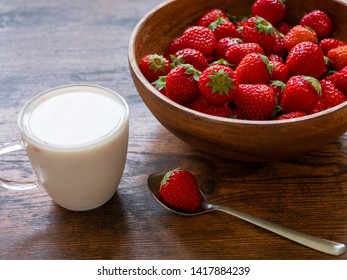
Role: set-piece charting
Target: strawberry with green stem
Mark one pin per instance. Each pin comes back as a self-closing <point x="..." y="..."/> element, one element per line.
<point x="236" y="52"/>
<point x="254" y="68"/>
<point x="273" y="11"/>
<point x="211" y="16"/>
<point x="258" y="30"/>
<point x="199" y="38"/>
<point x="189" y="56"/>
<point x="306" y="58"/>
<point x="223" y="45"/>
<point x="153" y="65"/>
<point x="222" y="28"/>
<point x="179" y="189"/>
<point x="256" y="101"/>
<point x="181" y="84"/>
<point x="218" y="84"/>
<point x="302" y="93"/>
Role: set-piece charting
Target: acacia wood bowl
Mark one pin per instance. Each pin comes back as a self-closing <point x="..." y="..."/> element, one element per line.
<point x="240" y="140"/>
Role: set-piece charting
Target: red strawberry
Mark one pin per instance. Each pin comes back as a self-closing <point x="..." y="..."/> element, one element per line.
<point x="222" y="28"/>
<point x="320" y="106"/>
<point x="291" y="115"/>
<point x="283" y="27"/>
<point x="153" y="65"/>
<point x="277" y="46"/>
<point x="338" y="57"/>
<point x="302" y="93"/>
<point x="223" y="45"/>
<point x="179" y="189"/>
<point x="275" y="57"/>
<point x="174" y="46"/>
<point x="331" y="95"/>
<point x="217" y="83"/>
<point x="199" y="38"/>
<point x="273" y="11"/>
<point x="239" y="22"/>
<point x="319" y="21"/>
<point x="278" y="87"/>
<point x="190" y="56"/>
<point x="279" y="71"/>
<point x="256" y="101"/>
<point x="299" y="34"/>
<point x="236" y="53"/>
<point x="236" y="113"/>
<point x="254" y="68"/>
<point x="201" y="104"/>
<point x="330" y="43"/>
<point x="180" y="85"/>
<point x="258" y="30"/>
<point x="340" y="79"/>
<point x="306" y="58"/>
<point x="211" y="16"/>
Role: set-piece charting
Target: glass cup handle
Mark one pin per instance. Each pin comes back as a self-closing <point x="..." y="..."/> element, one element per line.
<point x="15" y="185"/>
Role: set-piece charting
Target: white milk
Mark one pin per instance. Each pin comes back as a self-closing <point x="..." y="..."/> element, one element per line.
<point x="76" y="138"/>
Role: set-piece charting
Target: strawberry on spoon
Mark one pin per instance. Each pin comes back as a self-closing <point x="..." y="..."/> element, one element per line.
<point x="180" y="190"/>
<point x="172" y="183"/>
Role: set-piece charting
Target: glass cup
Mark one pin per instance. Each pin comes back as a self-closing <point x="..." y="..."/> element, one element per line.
<point x="76" y="138"/>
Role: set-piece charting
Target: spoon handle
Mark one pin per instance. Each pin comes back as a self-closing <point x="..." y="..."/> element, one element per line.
<point x="319" y="244"/>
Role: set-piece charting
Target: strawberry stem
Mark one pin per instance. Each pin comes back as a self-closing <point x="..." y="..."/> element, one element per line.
<point x="221" y="82"/>
<point x="266" y="27"/>
<point x="314" y="83"/>
<point x="160" y="83"/>
<point x="266" y="60"/>
<point x="157" y="63"/>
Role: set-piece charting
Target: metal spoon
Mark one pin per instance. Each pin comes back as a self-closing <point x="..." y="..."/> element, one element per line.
<point x="319" y="244"/>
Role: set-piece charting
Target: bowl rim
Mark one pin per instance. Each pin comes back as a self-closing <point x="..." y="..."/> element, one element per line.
<point x="136" y="70"/>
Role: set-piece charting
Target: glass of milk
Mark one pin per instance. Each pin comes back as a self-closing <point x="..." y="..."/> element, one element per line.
<point x="76" y="138"/>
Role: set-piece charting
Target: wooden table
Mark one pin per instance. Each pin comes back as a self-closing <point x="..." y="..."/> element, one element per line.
<point x="44" y="44"/>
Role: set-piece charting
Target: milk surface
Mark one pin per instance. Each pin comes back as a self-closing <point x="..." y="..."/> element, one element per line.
<point x="75" y="118"/>
<point x="76" y="139"/>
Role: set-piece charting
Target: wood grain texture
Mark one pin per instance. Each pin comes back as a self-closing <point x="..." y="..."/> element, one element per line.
<point x="44" y="44"/>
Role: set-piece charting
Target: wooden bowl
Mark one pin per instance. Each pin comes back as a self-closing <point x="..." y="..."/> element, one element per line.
<point x="240" y="140"/>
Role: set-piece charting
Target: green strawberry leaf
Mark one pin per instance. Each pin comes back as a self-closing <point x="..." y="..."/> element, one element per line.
<point x="266" y="27"/>
<point x="176" y="61"/>
<point x="221" y="61"/>
<point x="327" y="61"/>
<point x="280" y="84"/>
<point x="266" y="60"/>
<point x="235" y="19"/>
<point x="217" y="22"/>
<point x="315" y="84"/>
<point x="221" y="82"/>
<point x="160" y="83"/>
<point x="157" y="63"/>
<point x="167" y="176"/>
<point x="192" y="71"/>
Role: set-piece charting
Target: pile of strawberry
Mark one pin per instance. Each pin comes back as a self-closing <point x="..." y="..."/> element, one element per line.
<point x="255" y="68"/>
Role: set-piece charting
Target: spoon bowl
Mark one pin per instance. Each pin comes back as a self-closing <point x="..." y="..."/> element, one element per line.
<point x="316" y="243"/>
